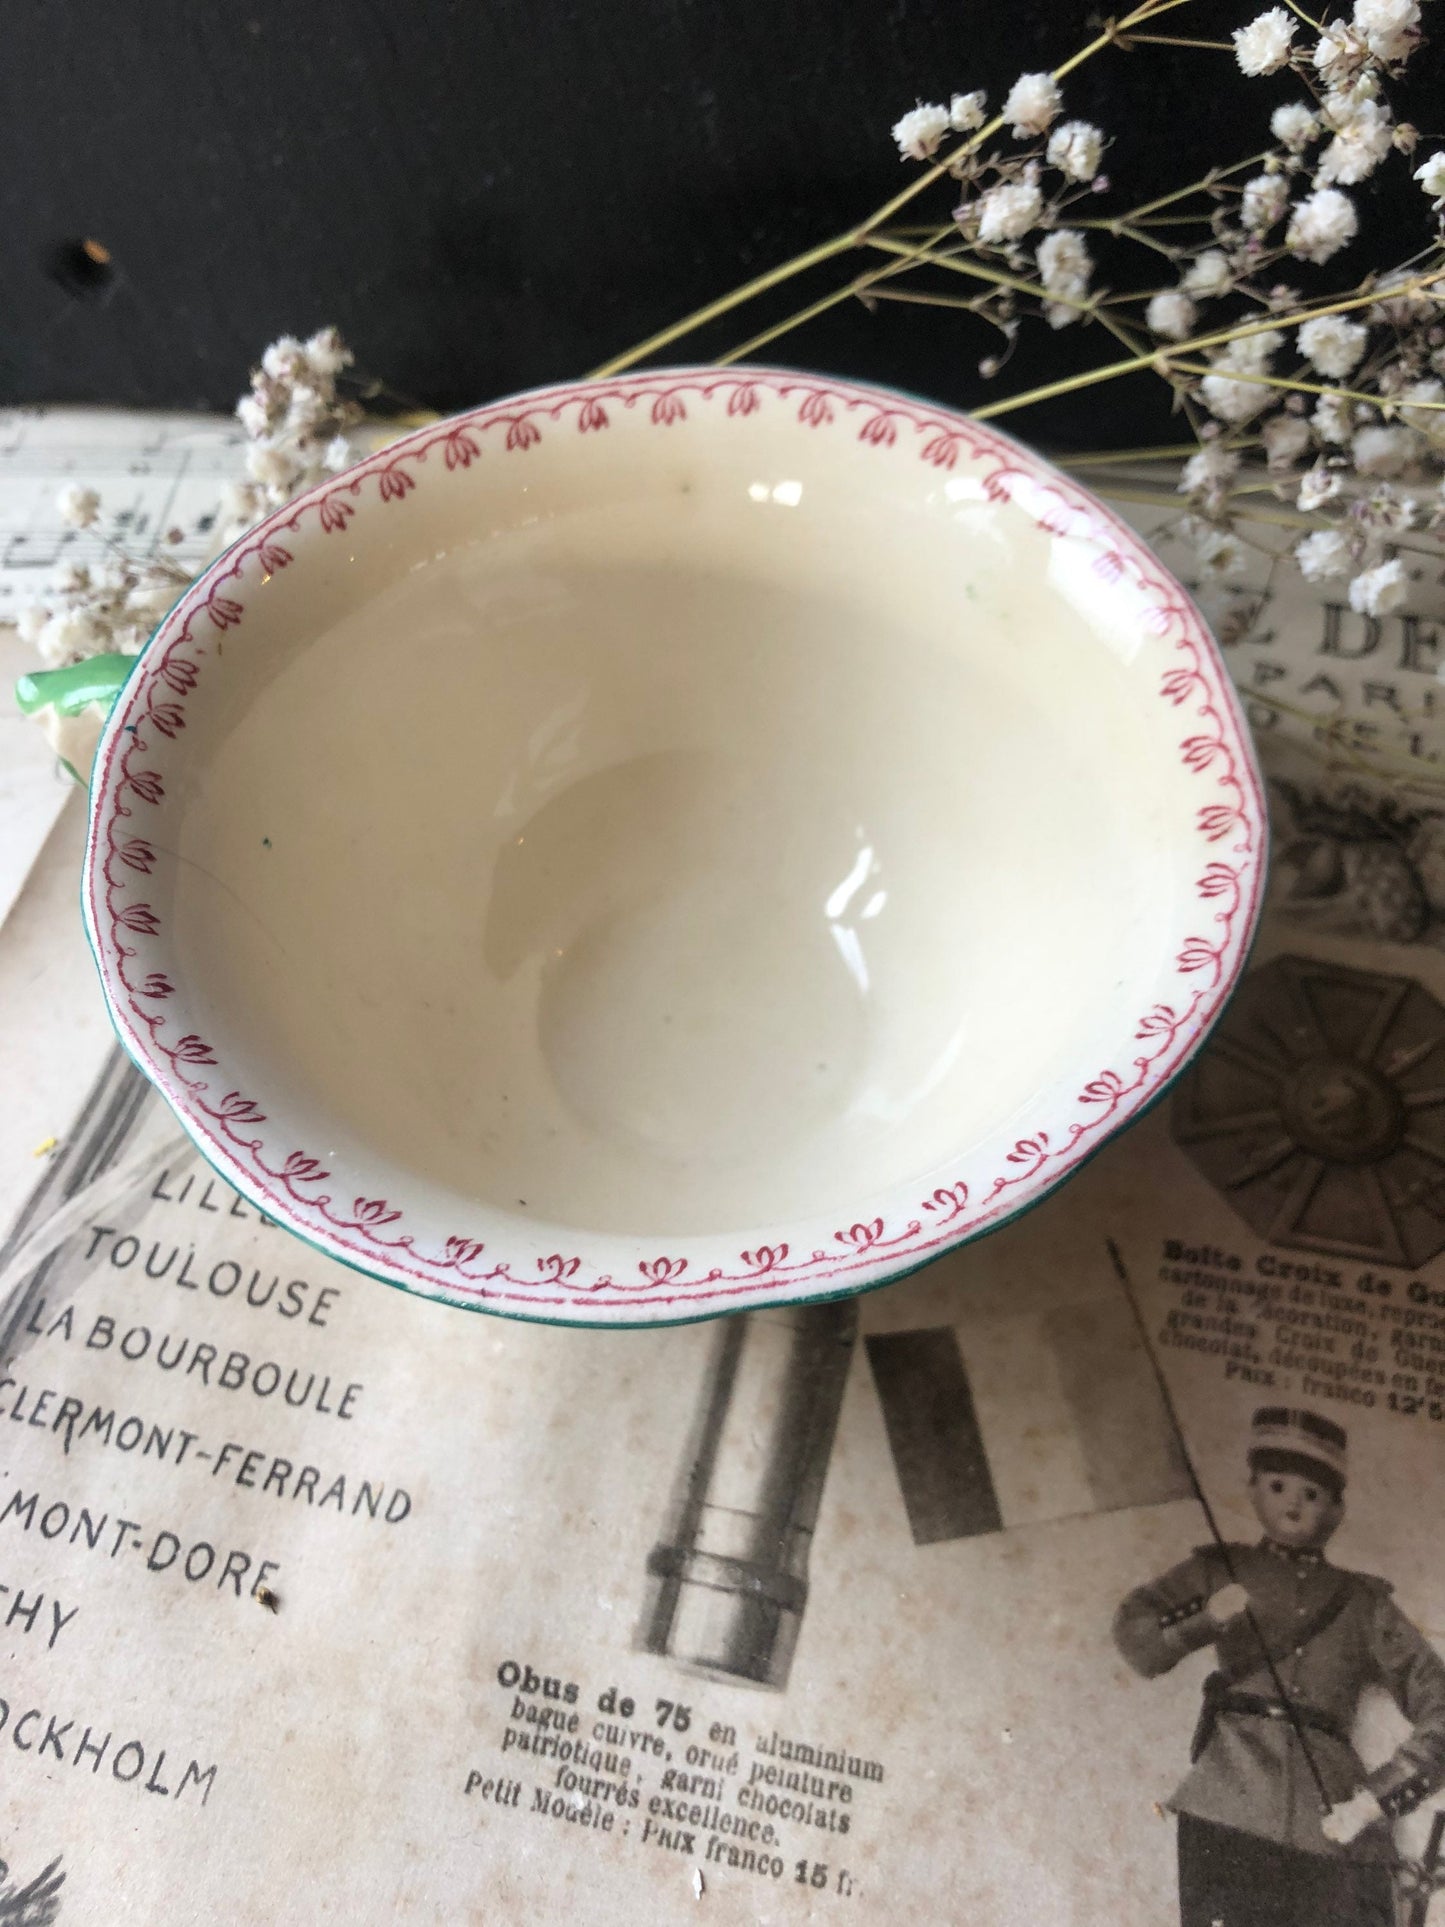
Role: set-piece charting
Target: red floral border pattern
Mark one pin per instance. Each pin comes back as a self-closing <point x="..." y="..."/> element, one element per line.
<point x="291" y="1185"/>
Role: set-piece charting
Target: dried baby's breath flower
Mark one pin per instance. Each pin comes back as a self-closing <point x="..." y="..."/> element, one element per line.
<point x="1205" y="477"/>
<point x="966" y="111"/>
<point x="1319" y="486"/>
<point x="1385" y="511"/>
<point x="1339" y="54"/>
<point x="1220" y="551"/>
<point x="294" y="423"/>
<point x="1008" y="211"/>
<point x="1065" y="264"/>
<point x="920" y="132"/>
<point x="1321" y="225"/>
<point x="1285" y="438"/>
<point x="1432" y="177"/>
<point x="293" y="415"/>
<point x="1333" y="345"/>
<point x="1381" y="590"/>
<point x="1171" y="313"/>
<point x="1364" y="134"/>
<point x="70" y="636"/>
<point x="1294" y="126"/>
<point x="1208" y="274"/>
<point x="1263" y="46"/>
<point x="1033" y="104"/>
<point x="1076" y="148"/>
<point x="1425" y="416"/>
<point x="327" y="354"/>
<point x="1391" y="28"/>
<point x="1382" y="451"/>
<point x="284" y="359"/>
<point x="1239" y="401"/>
<point x="1332" y="419"/>
<point x="1264" y="200"/>
<point x="1324" y="556"/>
<point x="1402" y="303"/>
<point x="78" y="507"/>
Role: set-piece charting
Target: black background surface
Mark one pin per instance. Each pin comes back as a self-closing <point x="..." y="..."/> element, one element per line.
<point x="486" y="194"/>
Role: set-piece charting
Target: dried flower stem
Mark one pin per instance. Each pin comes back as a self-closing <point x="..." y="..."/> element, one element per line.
<point x="1122" y="457"/>
<point x="1087" y="379"/>
<point x="714" y="310"/>
<point x="854" y="237"/>
<point x="1203" y="186"/>
<point x="977" y="272"/>
<point x="1176" y="40"/>
<point x="970" y="306"/>
<point x="1294" y="384"/>
<point x="861" y="284"/>
<point x="1283" y="518"/>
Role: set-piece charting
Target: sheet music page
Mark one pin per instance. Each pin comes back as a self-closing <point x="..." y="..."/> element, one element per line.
<point x="322" y="1602"/>
<point x="155" y="472"/>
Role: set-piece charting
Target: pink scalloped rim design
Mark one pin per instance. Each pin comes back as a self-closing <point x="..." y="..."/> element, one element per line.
<point x="290" y="1184"/>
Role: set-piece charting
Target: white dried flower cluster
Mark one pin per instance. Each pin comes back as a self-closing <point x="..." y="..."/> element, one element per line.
<point x="1263" y="202"/>
<point x="1218" y="550"/>
<point x="1206" y="477"/>
<point x="1076" y="148"/>
<point x="1209" y="274"/>
<point x="1321" y="224"/>
<point x="1366" y="460"/>
<point x="1294" y="126"/>
<point x="1007" y="212"/>
<point x="1333" y="420"/>
<point x="1401" y="308"/>
<point x="79" y="507"/>
<point x="920" y="132"/>
<point x="1391" y="28"/>
<point x="966" y="111"/>
<point x="1286" y="438"/>
<point x="294" y="419"/>
<point x="1064" y="269"/>
<point x="1419" y="403"/>
<point x="1339" y="54"/>
<point x="1033" y="105"/>
<point x="1357" y="455"/>
<point x="1323" y="556"/>
<point x="1381" y="590"/>
<point x="1224" y="394"/>
<point x="1319" y="486"/>
<point x="1004" y="197"/>
<point x="1364" y="133"/>
<point x="295" y="425"/>
<point x="105" y="608"/>
<point x="1264" y="45"/>
<point x="1432" y="178"/>
<point x="1171" y="313"/>
<point x="1379" y="450"/>
<point x="1333" y="345"/>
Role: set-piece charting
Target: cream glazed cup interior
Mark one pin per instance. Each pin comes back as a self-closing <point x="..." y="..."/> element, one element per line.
<point x="663" y="846"/>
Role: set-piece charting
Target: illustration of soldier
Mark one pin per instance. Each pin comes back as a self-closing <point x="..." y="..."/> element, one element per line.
<point x="1279" y="1823"/>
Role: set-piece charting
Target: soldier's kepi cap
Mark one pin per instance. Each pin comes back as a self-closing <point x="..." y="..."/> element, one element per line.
<point x="1283" y="1438"/>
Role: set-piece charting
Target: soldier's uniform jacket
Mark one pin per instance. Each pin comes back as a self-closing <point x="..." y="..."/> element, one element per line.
<point x="1331" y="1633"/>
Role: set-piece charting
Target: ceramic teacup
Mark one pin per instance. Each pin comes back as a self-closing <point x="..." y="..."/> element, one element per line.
<point x="671" y="845"/>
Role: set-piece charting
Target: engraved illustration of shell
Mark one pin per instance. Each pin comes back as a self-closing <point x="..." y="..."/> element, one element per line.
<point x="1387" y="889"/>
